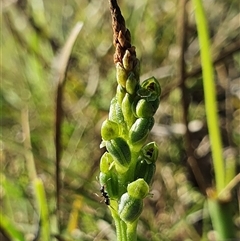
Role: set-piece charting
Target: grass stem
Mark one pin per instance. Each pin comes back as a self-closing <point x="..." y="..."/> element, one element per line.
<point x="220" y="212"/>
<point x="210" y="95"/>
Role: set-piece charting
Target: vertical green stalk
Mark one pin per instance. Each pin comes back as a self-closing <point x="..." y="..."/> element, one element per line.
<point x="123" y="236"/>
<point x="132" y="231"/>
<point x="120" y="225"/>
<point x="221" y="216"/>
<point x="43" y="208"/>
<point x="210" y="95"/>
<point x="220" y="211"/>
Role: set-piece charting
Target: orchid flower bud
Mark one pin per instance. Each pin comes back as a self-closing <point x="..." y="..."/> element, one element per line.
<point x="109" y="130"/>
<point x="144" y="108"/>
<point x="144" y="170"/>
<point x="106" y="162"/>
<point x="121" y="75"/>
<point x="129" y="208"/>
<point x="140" y="129"/>
<point x="110" y="182"/>
<point x="151" y="89"/>
<point x="138" y="189"/>
<point x="150" y="152"/>
<point x="127" y="109"/>
<point x="115" y="112"/>
<point x="120" y="151"/>
<point x="131" y="203"/>
<point x="127" y="61"/>
<point x="131" y="83"/>
<point x="120" y="94"/>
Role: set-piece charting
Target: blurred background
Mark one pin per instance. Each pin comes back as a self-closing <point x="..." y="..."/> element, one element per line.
<point x="165" y="36"/>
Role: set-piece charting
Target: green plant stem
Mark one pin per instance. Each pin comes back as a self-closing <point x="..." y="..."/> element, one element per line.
<point x="132" y="231"/>
<point x="210" y="95"/>
<point x="125" y="232"/>
<point x="120" y="225"/>
<point x="120" y="229"/>
<point x="220" y="212"/>
<point x="43" y="208"/>
<point x="221" y="216"/>
<point x="123" y="236"/>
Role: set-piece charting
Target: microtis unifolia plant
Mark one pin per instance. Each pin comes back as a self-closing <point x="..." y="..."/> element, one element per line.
<point x="128" y="165"/>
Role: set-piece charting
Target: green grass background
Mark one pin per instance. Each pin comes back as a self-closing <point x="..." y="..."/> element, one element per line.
<point x="32" y="34"/>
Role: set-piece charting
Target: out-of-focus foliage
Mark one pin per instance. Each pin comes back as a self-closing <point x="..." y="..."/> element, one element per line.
<point x="33" y="33"/>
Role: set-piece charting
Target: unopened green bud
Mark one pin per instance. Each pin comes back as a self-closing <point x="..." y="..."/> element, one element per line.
<point x="121" y="75"/>
<point x="138" y="189"/>
<point x="144" y="170"/>
<point x="140" y="129"/>
<point x="120" y="151"/>
<point x="144" y="108"/>
<point x="109" y="130"/>
<point x="127" y="61"/>
<point x="106" y="162"/>
<point x="143" y="105"/>
<point x="127" y="110"/>
<point x="150" y="152"/>
<point x="136" y="69"/>
<point x="110" y="182"/>
<point x="115" y="112"/>
<point x="131" y="83"/>
<point x="129" y="208"/>
<point x="120" y="94"/>
<point x="102" y="178"/>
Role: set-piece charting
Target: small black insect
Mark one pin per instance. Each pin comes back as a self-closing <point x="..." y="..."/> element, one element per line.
<point x="105" y="195"/>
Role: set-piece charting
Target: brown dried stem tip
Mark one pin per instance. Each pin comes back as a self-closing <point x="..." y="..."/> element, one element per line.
<point x="121" y="35"/>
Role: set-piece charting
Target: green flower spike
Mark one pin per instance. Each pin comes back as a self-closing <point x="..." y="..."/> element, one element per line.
<point x="128" y="166"/>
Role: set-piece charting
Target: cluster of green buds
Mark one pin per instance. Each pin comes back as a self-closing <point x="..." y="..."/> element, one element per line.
<point x="128" y="165"/>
